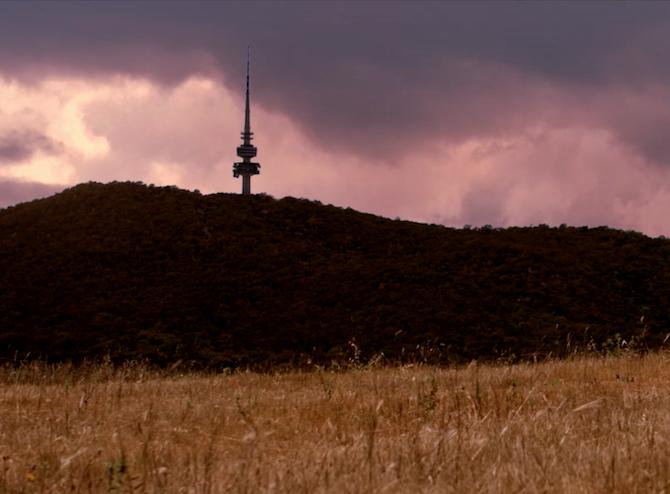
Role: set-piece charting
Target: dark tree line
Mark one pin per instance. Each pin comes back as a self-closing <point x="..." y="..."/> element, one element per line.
<point x="129" y="271"/>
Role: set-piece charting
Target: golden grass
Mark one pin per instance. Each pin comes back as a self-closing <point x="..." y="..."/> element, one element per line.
<point x="585" y="425"/>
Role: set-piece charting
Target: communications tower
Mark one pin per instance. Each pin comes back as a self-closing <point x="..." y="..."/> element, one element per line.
<point x="246" y="151"/>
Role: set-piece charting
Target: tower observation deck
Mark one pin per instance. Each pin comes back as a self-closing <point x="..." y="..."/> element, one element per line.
<point x="246" y="150"/>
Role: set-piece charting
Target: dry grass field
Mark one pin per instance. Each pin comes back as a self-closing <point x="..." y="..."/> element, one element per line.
<point x="583" y="425"/>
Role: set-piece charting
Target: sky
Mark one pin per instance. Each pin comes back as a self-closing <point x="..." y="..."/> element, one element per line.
<point x="473" y="113"/>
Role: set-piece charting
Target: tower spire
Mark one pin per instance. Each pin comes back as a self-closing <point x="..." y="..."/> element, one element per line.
<point x="247" y="123"/>
<point x="246" y="150"/>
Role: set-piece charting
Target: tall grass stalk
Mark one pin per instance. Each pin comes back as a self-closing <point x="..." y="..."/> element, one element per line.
<point x="580" y="425"/>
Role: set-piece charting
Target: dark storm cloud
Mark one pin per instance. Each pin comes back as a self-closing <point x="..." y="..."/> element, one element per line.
<point x="16" y="147"/>
<point x="16" y="191"/>
<point x="650" y="138"/>
<point x="368" y="77"/>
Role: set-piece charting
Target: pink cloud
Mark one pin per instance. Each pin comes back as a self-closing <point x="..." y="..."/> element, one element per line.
<point x="13" y="192"/>
<point x="554" y="162"/>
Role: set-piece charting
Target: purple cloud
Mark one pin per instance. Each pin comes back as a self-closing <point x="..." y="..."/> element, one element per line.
<point x="368" y="77"/>
<point x="15" y="191"/>
<point x="479" y="96"/>
<point x="18" y="146"/>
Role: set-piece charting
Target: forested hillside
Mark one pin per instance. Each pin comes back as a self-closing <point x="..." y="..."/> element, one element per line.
<point x="129" y="271"/>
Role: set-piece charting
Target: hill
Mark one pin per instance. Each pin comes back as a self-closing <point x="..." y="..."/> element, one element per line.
<point x="129" y="271"/>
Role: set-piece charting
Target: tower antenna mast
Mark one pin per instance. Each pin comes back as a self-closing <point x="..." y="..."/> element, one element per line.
<point x="246" y="150"/>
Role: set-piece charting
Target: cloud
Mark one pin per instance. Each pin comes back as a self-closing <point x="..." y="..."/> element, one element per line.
<point x="479" y="113"/>
<point x="637" y="118"/>
<point x="133" y="129"/>
<point x="16" y="146"/>
<point x="363" y="77"/>
<point x="179" y="136"/>
<point x="15" y="191"/>
<point x="573" y="176"/>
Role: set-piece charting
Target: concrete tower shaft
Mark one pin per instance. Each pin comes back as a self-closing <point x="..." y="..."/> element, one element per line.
<point x="246" y="150"/>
